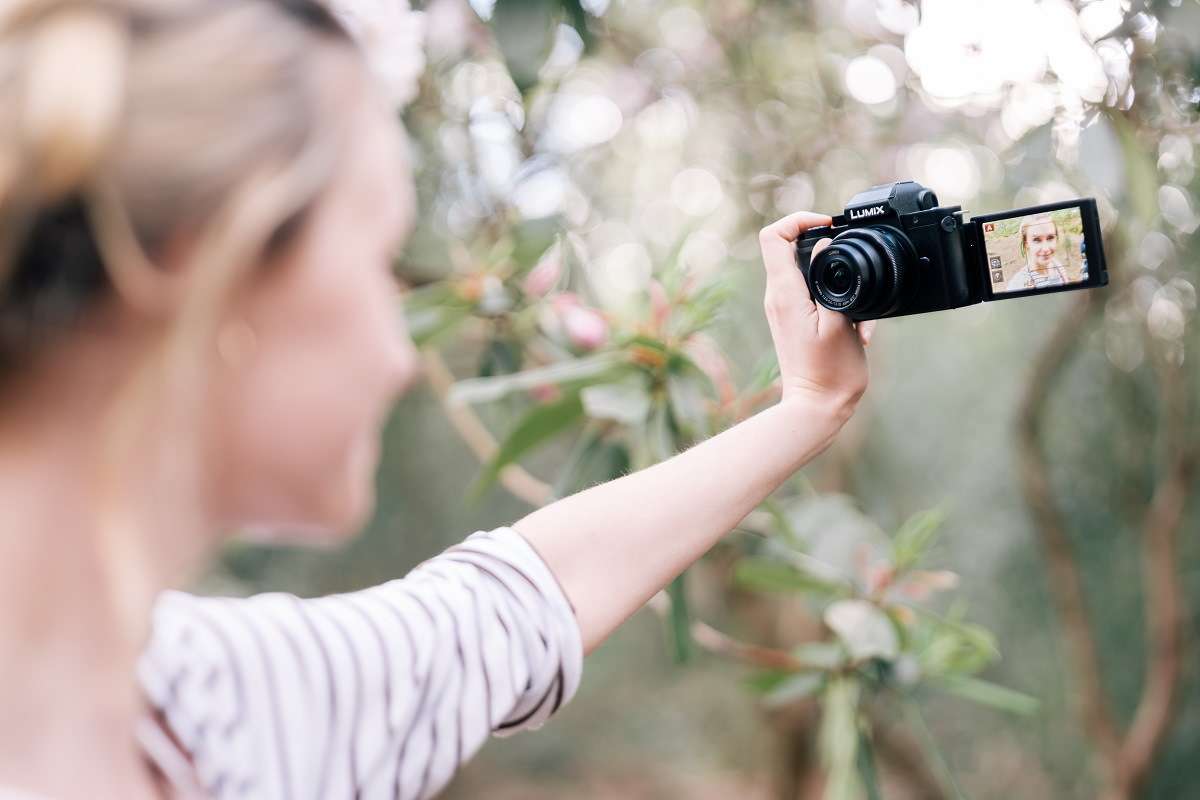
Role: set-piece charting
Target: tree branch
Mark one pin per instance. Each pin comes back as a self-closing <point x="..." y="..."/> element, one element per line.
<point x="1165" y="606"/>
<point x="1066" y="584"/>
<point x="1129" y="756"/>
<point x="713" y="641"/>
<point x="467" y="424"/>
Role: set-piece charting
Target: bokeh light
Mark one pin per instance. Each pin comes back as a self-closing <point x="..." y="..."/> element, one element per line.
<point x="869" y="80"/>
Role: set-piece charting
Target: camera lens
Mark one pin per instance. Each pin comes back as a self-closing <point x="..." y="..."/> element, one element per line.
<point x="839" y="277"/>
<point x="862" y="272"/>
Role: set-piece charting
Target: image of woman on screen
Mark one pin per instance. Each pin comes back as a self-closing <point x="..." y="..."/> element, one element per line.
<point x="1040" y="240"/>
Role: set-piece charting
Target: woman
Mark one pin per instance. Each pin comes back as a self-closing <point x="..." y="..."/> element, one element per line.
<point x="1039" y="247"/>
<point x="199" y="205"/>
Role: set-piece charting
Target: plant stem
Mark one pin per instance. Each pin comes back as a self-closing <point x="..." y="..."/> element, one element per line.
<point x="940" y="768"/>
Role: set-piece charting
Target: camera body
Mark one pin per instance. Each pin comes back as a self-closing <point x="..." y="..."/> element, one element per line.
<point x="896" y="251"/>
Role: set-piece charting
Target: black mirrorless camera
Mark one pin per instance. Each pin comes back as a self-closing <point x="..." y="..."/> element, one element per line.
<point x="895" y="251"/>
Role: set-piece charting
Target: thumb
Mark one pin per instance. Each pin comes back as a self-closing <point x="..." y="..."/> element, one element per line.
<point x="865" y="331"/>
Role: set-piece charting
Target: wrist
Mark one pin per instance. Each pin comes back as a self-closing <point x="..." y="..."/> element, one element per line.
<point x="824" y="410"/>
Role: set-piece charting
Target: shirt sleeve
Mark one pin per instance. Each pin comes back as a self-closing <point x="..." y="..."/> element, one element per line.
<point x="378" y="693"/>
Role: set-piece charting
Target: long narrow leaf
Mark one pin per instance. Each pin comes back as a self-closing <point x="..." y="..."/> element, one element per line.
<point x="681" y="624"/>
<point x="626" y="401"/>
<point x="989" y="694"/>
<point x="915" y="537"/>
<point x="541" y="424"/>
<point x="866" y="766"/>
<point x="770" y="575"/>
<point x="590" y="369"/>
<point x="425" y="325"/>
<point x="795" y="687"/>
<point x="838" y="739"/>
<point x="934" y="753"/>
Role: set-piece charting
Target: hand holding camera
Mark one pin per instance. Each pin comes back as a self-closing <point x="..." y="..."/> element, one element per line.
<point x="821" y="358"/>
<point x="896" y="251"/>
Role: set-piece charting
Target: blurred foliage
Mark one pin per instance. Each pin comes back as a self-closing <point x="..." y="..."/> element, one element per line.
<point x="884" y="640"/>
<point x="591" y="178"/>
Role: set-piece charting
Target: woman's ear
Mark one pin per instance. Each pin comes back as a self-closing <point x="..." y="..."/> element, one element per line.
<point x="151" y="287"/>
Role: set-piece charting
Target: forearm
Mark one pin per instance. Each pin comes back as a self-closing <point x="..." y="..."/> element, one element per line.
<point x="614" y="545"/>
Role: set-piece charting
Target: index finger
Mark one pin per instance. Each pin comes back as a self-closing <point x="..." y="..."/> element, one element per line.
<point x="790" y="227"/>
<point x="778" y="239"/>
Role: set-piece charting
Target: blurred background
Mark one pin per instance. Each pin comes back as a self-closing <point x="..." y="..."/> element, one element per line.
<point x="586" y="280"/>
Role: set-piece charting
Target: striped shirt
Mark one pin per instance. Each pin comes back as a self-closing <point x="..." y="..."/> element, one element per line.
<point x="1026" y="278"/>
<point x="380" y="693"/>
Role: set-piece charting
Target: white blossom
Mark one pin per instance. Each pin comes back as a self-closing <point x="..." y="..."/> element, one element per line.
<point x="391" y="35"/>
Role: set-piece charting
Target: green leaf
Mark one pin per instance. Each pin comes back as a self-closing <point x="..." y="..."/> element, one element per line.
<point x="659" y="436"/>
<point x="932" y="752"/>
<point x="838" y="739"/>
<point x="787" y="531"/>
<point x="864" y="629"/>
<point x="681" y="624"/>
<point x="524" y="30"/>
<point x="626" y="401"/>
<point x="796" y="687"/>
<point x="538" y="426"/>
<point x="812" y="566"/>
<point x="703" y="308"/>
<point x="821" y="655"/>
<point x="989" y="694"/>
<point x="578" y="20"/>
<point x="640" y="340"/>
<point x="915" y="537"/>
<point x="838" y="532"/>
<point x="593" y="460"/>
<point x="771" y="575"/>
<point x="432" y="295"/>
<point x="426" y="325"/>
<point x="766" y="372"/>
<point x="866" y="766"/>
<point x="689" y="405"/>
<point x="766" y="680"/>
<point x="580" y="371"/>
<point x="952" y="647"/>
<point x="501" y="357"/>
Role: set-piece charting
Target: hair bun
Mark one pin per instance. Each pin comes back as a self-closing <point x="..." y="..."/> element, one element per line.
<point x="71" y="95"/>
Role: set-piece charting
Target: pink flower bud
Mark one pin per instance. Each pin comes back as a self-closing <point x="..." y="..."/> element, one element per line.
<point x="546" y="393"/>
<point x="565" y="316"/>
<point x="702" y="349"/>
<point x="660" y="305"/>
<point x="586" y="328"/>
<point x="919" y="585"/>
<point x="564" y="300"/>
<point x="879" y="577"/>
<point x="545" y="274"/>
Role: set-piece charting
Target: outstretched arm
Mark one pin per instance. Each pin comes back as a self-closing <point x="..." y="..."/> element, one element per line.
<point x="613" y="546"/>
<point x="386" y="691"/>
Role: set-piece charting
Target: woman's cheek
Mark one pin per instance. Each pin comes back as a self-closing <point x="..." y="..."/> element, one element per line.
<point x="395" y="359"/>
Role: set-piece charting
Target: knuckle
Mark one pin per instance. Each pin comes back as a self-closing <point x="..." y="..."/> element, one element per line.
<point x="766" y="234"/>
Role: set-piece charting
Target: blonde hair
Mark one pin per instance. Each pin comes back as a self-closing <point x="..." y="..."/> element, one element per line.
<point x="129" y="123"/>
<point x="1029" y="222"/>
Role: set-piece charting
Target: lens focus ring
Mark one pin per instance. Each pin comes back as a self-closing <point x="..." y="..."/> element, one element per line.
<point x="862" y="272"/>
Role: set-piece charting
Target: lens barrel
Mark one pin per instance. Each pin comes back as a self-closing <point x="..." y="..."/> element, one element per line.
<point x="862" y="272"/>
